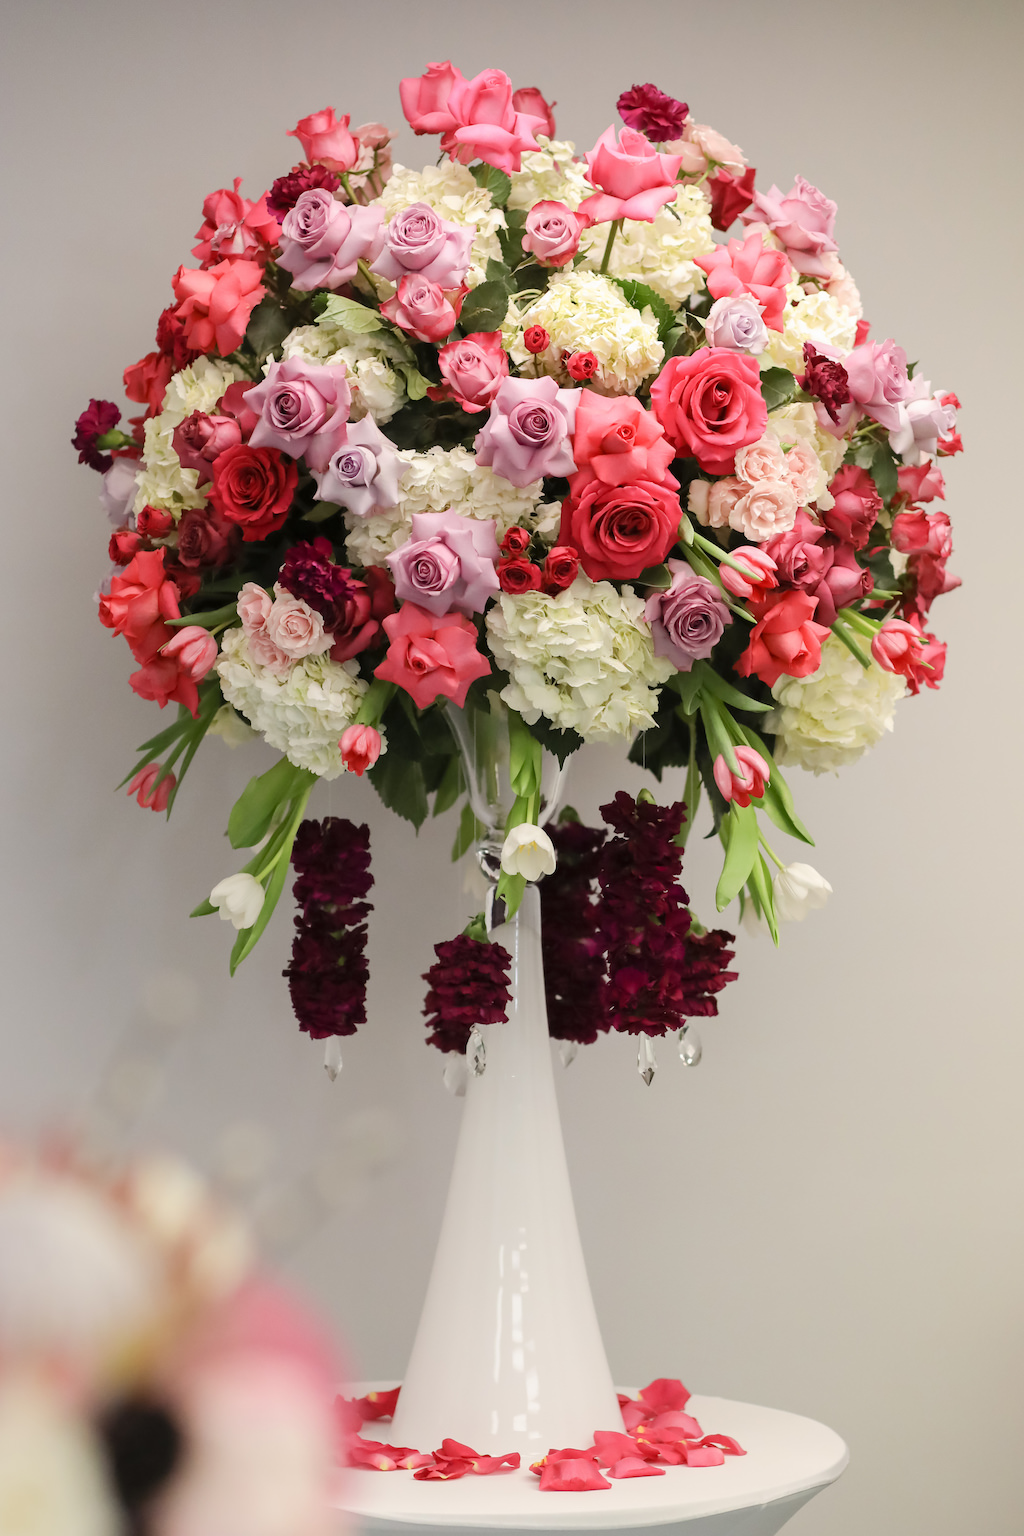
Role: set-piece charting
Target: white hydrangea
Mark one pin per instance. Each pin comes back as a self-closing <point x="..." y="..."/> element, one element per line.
<point x="550" y="174"/>
<point x="198" y="387"/>
<point x="302" y="714"/>
<point x="800" y="420"/>
<point x="584" y="312"/>
<point x="161" y="481"/>
<point x="661" y="253"/>
<point x="816" y="317"/>
<point x="584" y="659"/>
<point x="832" y="717"/>
<point x="368" y="360"/>
<point x="451" y="191"/>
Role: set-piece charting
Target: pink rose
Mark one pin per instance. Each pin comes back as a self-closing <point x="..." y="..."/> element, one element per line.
<point x="215" y="304"/>
<point x="253" y="606"/>
<point x="552" y="233"/>
<point x="844" y="582"/>
<point x="200" y="438"/>
<point x="474" y="368"/>
<point x="448" y="563"/>
<point x="921" y="482"/>
<point x="635" y="180"/>
<point x="710" y="405"/>
<point x="803" y="220"/>
<point x="785" y="641"/>
<point x="360" y="748"/>
<point x="303" y="409"/>
<point x="857" y="505"/>
<point x="876" y="375"/>
<point x="744" y="266"/>
<point x="487" y="125"/>
<point x="688" y="620"/>
<point x="924" y="419"/>
<point x="616" y="441"/>
<point x="421" y="308"/>
<point x="528" y="433"/>
<point x="294" y="627"/>
<point x="322" y="241"/>
<point x="233" y="404"/>
<point x="700" y="146"/>
<point x="194" y="649"/>
<point x="769" y="507"/>
<point x="800" y="557"/>
<point x="363" y="472"/>
<point x="528" y="99"/>
<point x="425" y="98"/>
<point x="139" y="602"/>
<point x="431" y="656"/>
<point x="326" y="140"/>
<point x="235" y="229"/>
<point x="712" y="501"/>
<point x="417" y="240"/>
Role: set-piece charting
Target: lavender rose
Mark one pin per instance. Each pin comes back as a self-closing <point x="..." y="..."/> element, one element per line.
<point x="528" y="433"/>
<point x="322" y="241"/>
<point x="686" y="621"/>
<point x="418" y="240"/>
<point x="363" y="472"/>
<point x="803" y="219"/>
<point x="302" y="408"/>
<point x="448" y="563"/>
<point x="735" y="322"/>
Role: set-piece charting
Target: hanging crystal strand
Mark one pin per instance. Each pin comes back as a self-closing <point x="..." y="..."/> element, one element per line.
<point x="646" y="1063"/>
<point x="567" y="1049"/>
<point x="690" y="1048"/>
<point x="332" y="1057"/>
<point x="476" y="1053"/>
<point x="455" y="1075"/>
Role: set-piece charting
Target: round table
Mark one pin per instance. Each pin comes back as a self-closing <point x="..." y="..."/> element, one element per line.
<point x="789" y="1459"/>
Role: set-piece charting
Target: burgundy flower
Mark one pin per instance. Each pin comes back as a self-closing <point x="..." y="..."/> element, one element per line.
<point x="170" y="339"/>
<point x="468" y="985"/>
<point x="287" y="190"/>
<point x="308" y="572"/>
<point x="825" y="379"/>
<point x="328" y="972"/>
<point x="99" y="416"/>
<point x="730" y="194"/>
<point x="206" y="540"/>
<point x="572" y="947"/>
<point x="650" y="111"/>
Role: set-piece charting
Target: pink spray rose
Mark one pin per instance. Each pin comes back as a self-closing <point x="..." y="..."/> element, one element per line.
<point x="294" y="627"/>
<point x="744" y="266"/>
<point x="634" y="179"/>
<point x="802" y="220"/>
<point x="200" y="438"/>
<point x="767" y="508"/>
<point x="194" y="649"/>
<point x="763" y="460"/>
<point x="448" y="563"/>
<point x="474" y="368"/>
<point x="303" y="408"/>
<point x="687" y="621"/>
<point x="323" y="241"/>
<point x="326" y="140"/>
<point x="363" y="472"/>
<point x="876" y="375"/>
<point x="360" y="748"/>
<point x="254" y="605"/>
<point x="422" y="308"/>
<point x="528" y="433"/>
<point x="431" y="656"/>
<point x="552" y="234"/>
<point x="710" y="405"/>
<point x="712" y="501"/>
<point x="418" y="240"/>
<point x="487" y="124"/>
<point x="528" y="99"/>
<point x="749" y="784"/>
<point x="215" y="304"/>
<point x="235" y="229"/>
<point x="425" y="98"/>
<point x="615" y="440"/>
<point x="857" y="505"/>
<point x="701" y="145"/>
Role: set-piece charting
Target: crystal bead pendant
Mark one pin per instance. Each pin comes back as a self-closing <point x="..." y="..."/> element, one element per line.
<point x="646" y="1063"/>
<point x="332" y="1057"/>
<point x="476" y="1053"/>
<point x="567" y="1050"/>
<point x="690" y="1048"/>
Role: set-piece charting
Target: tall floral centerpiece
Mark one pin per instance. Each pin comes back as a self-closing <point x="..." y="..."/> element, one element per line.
<point x="441" y="474"/>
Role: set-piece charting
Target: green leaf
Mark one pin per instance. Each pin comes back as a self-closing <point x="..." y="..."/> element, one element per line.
<point x="470" y="831"/>
<point x="319" y="512"/>
<point x="740" y="853"/>
<point x="657" y="576"/>
<point x="560" y="744"/>
<point x="484" y="308"/>
<point x="248" y="938"/>
<point x="687" y="685"/>
<point x="452" y="785"/>
<point x="401" y="786"/>
<point x="761" y="886"/>
<point x="253" y="813"/>
<point x="416" y="385"/>
<point x="712" y="682"/>
<point x="358" y="318"/>
<point x="268" y="326"/>
<point x="524" y="754"/>
<point x="495" y="182"/>
<point x="779" y="387"/>
<point x="884" y="471"/>
<point x="497" y="272"/>
<point x="641" y="297"/>
<point x="204" y="909"/>
<point x="208" y="620"/>
<point x="510" y="889"/>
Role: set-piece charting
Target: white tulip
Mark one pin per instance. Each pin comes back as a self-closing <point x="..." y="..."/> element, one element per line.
<point x="797" y="889"/>
<point x="239" y="899"/>
<point x="528" y="851"/>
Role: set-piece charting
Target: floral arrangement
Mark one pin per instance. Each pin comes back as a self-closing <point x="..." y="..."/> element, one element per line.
<point x="602" y="441"/>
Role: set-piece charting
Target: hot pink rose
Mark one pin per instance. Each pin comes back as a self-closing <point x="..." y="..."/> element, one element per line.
<point x="431" y="656"/>
<point x="785" y="641"/>
<point x="447" y="563"/>
<point x="235" y="229"/>
<point x="200" y="438"/>
<point x="744" y="266"/>
<point x="360" y="748"/>
<point x="474" y="368"/>
<point x="620" y="530"/>
<point x="303" y="409"/>
<point x="425" y="98"/>
<point x="635" y="180"/>
<point x="215" y="304"/>
<point x="876" y="375"/>
<point x="194" y="649"/>
<point x="710" y="405"/>
<point x="322" y="241"/>
<point x="529" y="431"/>
<point x="528" y="99"/>
<point x="618" y="442"/>
<point x="552" y="233"/>
<point x="843" y="583"/>
<point x="417" y="240"/>
<point x="326" y="140"/>
<point x="803" y="219"/>
<point x="422" y="308"/>
<point x="800" y="555"/>
<point x="921" y="482"/>
<point x="857" y="505"/>
<point x="487" y="125"/>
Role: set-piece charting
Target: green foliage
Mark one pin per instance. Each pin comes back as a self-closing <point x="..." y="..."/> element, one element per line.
<point x="560" y="744"/>
<point x="641" y="297"/>
<point x="495" y="182"/>
<point x="416" y="385"/>
<point x="484" y="308"/>
<point x="182" y="738"/>
<point x="884" y="471"/>
<point x="268" y="326"/>
<point x="666" y="744"/>
<point x="451" y="787"/>
<point x="760" y="888"/>
<point x="779" y="387"/>
<point x="401" y="786"/>
<point x="262" y="800"/>
<point x="358" y="318"/>
<point x="739" y="833"/>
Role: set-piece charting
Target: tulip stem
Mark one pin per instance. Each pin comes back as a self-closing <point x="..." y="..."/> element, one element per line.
<point x="769" y="850"/>
<point x="841" y="633"/>
<point x="703" y="567"/>
<point x="616" y="226"/>
<point x="721" y="555"/>
<point x="859" y="621"/>
<point x="368" y="277"/>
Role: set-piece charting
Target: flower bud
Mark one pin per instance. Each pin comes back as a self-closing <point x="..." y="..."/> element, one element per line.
<point x="150" y="795"/>
<point x="762" y="570"/>
<point x="194" y="649"/>
<point x="582" y="366"/>
<point x="796" y="889"/>
<point x="749" y="784"/>
<point x="360" y="748"/>
<point x="528" y="851"/>
<point x="239" y="900"/>
<point x="536" y="339"/>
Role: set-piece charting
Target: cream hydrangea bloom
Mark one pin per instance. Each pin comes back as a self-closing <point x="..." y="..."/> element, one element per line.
<point x="799" y="421"/>
<point x="831" y="718"/>
<point x="816" y="317"/>
<point x="368" y="360"/>
<point x="301" y="714"/>
<point x="161" y="481"/>
<point x="660" y="253"/>
<point x="550" y="174"/>
<point x="584" y="658"/>
<point x="584" y="312"/>
<point x="198" y="387"/>
<point x="451" y="191"/>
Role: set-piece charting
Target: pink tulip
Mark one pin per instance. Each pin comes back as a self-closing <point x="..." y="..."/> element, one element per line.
<point x="150" y="795"/>
<point x="762" y="570"/>
<point x="360" y="748"/>
<point x="749" y="784"/>
<point x="194" y="649"/>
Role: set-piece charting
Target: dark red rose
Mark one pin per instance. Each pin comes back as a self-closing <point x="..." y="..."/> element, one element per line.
<point x="382" y="591"/>
<point x="200" y="439"/>
<point x="253" y="487"/>
<point x="857" y="505"/>
<point x="650" y="111"/>
<point x="582" y="365"/>
<point x="620" y="530"/>
<point x="730" y="195"/>
<point x="536" y="339"/>
<point x="170" y="339"/>
<point x="124" y="543"/>
<point x="187" y="581"/>
<point x="154" y="522"/>
<point x="560" y="568"/>
<point x="206" y="539"/>
<point x="518" y="575"/>
<point x="516" y="541"/>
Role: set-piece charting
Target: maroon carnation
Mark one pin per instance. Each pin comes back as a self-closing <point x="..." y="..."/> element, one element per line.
<point x="572" y="946"/>
<point x="309" y="572"/>
<point x="825" y="379"/>
<point x="650" y="111"/>
<point x="99" y="417"/>
<point x="468" y="985"/>
<point x="328" y="972"/>
<point x="287" y="190"/>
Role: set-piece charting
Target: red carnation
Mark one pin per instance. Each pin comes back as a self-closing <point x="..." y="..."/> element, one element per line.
<point x="650" y="111"/>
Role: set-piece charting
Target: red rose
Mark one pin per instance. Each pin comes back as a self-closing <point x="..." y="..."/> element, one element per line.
<point x="857" y="505"/>
<point x="519" y="575"/>
<point x="560" y="568"/>
<point x="620" y="530"/>
<point x="730" y="195"/>
<point x="536" y="339"/>
<point x="253" y="487"/>
<point x="710" y="405"/>
<point x="516" y="541"/>
<point x="582" y="366"/>
<point x="123" y="546"/>
<point x="785" y="640"/>
<point x="205" y="539"/>
<point x="154" y="522"/>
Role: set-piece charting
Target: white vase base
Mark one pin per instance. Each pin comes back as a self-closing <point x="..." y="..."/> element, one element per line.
<point x="788" y="1460"/>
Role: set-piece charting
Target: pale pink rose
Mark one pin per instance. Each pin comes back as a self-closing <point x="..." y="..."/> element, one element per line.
<point x="253" y="606"/>
<point x="924" y="418"/>
<point x="841" y="287"/>
<point x="802" y="470"/>
<point x="715" y="147"/>
<point x="635" y="180"/>
<point x="876" y="373"/>
<point x="552" y="233"/>
<point x="803" y="220"/>
<point x="735" y="322"/>
<point x="417" y="240"/>
<point x="296" y="628"/>
<point x="763" y="460"/>
<point x="711" y="501"/>
<point x="768" y="508"/>
<point x="266" y="654"/>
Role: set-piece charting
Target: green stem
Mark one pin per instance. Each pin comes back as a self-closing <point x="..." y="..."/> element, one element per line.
<point x="769" y="850"/>
<point x="616" y="226"/>
<point x="704" y="568"/>
<point x="717" y="732"/>
<point x="851" y="645"/>
<point x="367" y="276"/>
<point x="859" y="621"/>
<point x="691" y="793"/>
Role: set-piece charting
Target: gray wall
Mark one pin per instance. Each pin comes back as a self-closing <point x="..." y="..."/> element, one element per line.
<point x="825" y="1216"/>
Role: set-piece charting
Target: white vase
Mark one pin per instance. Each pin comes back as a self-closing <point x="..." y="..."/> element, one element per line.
<point x="508" y="1354"/>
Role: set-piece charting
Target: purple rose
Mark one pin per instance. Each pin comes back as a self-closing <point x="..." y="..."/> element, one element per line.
<point x="876" y="376"/>
<point x="322" y="241"/>
<point x="418" y="240"/>
<point x="735" y="322"/>
<point x="803" y="219"/>
<point x="528" y="433"/>
<point x="448" y="563"/>
<point x="686" y="621"/>
<point x="362" y="473"/>
<point x="303" y="408"/>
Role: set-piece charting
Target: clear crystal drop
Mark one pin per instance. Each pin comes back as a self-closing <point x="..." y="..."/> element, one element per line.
<point x="332" y="1057"/>
<point x="690" y="1048"/>
<point x="567" y="1049"/>
<point x="455" y="1075"/>
<point x="646" y="1064"/>
<point x="476" y="1053"/>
